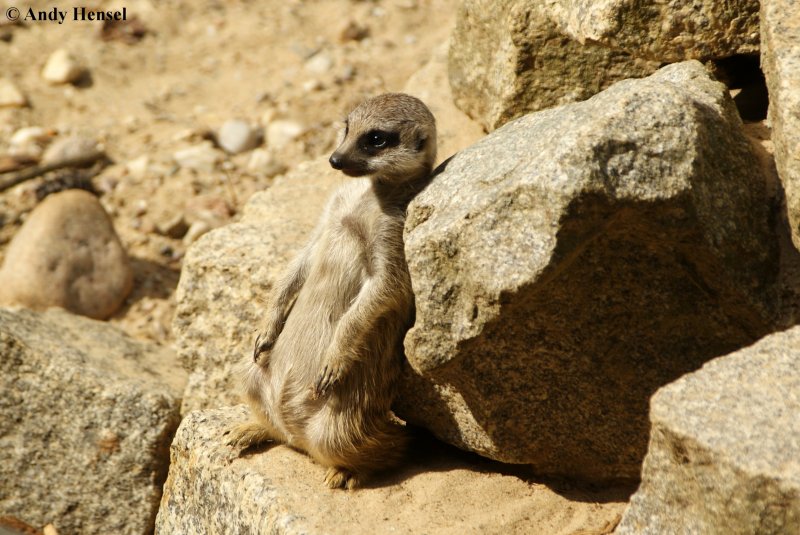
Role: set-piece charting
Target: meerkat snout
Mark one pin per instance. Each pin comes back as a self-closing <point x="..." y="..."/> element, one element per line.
<point x="391" y="137"/>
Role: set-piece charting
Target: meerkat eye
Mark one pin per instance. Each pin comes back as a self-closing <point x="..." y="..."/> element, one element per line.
<point x="377" y="139"/>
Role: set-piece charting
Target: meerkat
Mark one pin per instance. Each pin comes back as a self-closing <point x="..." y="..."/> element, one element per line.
<point x="323" y="372"/>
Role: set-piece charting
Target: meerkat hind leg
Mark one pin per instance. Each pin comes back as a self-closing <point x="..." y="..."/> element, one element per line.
<point x="341" y="478"/>
<point x="248" y="434"/>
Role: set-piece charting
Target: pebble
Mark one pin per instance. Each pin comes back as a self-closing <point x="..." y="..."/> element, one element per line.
<point x="175" y="228"/>
<point x="237" y="136"/>
<point x="140" y="207"/>
<point x="346" y="73"/>
<point x="197" y="229"/>
<point x="319" y="63"/>
<point x="29" y="142"/>
<point x="138" y="168"/>
<point x="282" y="132"/>
<point x="309" y="86"/>
<point x="263" y="162"/>
<point x="70" y="147"/>
<point x="67" y="254"/>
<point x="62" y="68"/>
<point x="10" y="95"/>
<point x="353" y="31"/>
<point x="202" y="157"/>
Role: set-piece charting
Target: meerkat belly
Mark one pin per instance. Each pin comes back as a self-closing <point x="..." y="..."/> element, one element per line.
<point x="334" y="280"/>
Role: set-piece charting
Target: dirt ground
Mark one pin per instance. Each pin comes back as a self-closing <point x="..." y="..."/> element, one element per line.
<point x="198" y="65"/>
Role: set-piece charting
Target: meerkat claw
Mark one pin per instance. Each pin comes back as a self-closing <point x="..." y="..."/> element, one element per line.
<point x="329" y="376"/>
<point x="260" y="347"/>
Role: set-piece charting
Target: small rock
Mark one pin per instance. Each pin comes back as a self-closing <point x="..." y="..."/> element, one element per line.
<point x="197" y="229"/>
<point x="62" y="68"/>
<point x="10" y="95"/>
<point x="67" y="254"/>
<point x="237" y="136"/>
<point x="353" y="31"/>
<point x="29" y="142"/>
<point x="140" y="207"/>
<point x="138" y="168"/>
<point x="319" y="63"/>
<point x="30" y="134"/>
<point x="175" y="228"/>
<point x="202" y="157"/>
<point x="347" y="72"/>
<point x="71" y="147"/>
<point x="267" y="117"/>
<point x="282" y="132"/>
<point x="309" y="86"/>
<point x="128" y="31"/>
<point x="264" y="162"/>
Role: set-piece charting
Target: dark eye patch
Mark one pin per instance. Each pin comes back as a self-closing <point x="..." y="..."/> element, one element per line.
<point x="375" y="141"/>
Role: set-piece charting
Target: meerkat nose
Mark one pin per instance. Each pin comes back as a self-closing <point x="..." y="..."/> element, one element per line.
<point x="336" y="161"/>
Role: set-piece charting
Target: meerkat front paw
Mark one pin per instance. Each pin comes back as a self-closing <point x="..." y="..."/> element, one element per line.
<point x="339" y="478"/>
<point x="262" y="347"/>
<point x="246" y="435"/>
<point x="332" y="372"/>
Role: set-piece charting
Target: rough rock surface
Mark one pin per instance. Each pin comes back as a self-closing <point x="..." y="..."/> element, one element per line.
<point x="278" y="490"/>
<point x="86" y="418"/>
<point x="454" y="129"/>
<point x="724" y="447"/>
<point x="67" y="254"/>
<point x="669" y="31"/>
<point x="780" y="60"/>
<point x="227" y="275"/>
<point x="572" y="262"/>
<point x="508" y="59"/>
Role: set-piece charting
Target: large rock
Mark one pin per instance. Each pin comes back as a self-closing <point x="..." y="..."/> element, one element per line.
<point x="508" y="59"/>
<point x="725" y="447"/>
<point x="227" y="276"/>
<point x="454" y="129"/>
<point x="572" y="262"/>
<point x="669" y="31"/>
<point x="86" y="418"/>
<point x="780" y="60"/>
<point x="279" y="490"/>
<point x="67" y="254"/>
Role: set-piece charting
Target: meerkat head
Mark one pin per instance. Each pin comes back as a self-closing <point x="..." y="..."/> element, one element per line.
<point x="391" y="137"/>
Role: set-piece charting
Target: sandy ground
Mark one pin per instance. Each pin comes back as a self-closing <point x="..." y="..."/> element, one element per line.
<point x="198" y="65"/>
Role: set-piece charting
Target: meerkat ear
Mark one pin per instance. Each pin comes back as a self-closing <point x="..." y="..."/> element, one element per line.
<point x="421" y="141"/>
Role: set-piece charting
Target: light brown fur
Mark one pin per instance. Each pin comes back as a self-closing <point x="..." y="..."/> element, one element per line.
<point x="322" y="378"/>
